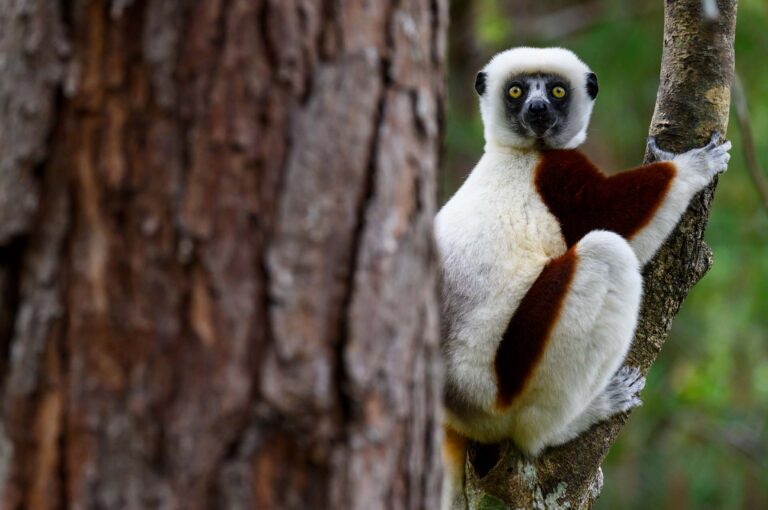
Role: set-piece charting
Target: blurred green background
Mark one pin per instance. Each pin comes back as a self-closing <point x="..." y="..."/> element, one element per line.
<point x="701" y="440"/>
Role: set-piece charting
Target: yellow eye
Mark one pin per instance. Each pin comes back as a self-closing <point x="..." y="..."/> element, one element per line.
<point x="515" y="92"/>
<point x="558" y="92"/>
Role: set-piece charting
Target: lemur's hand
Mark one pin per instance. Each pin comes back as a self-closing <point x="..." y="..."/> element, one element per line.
<point x="707" y="161"/>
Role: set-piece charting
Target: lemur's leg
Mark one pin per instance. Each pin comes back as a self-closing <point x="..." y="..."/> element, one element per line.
<point x="454" y="457"/>
<point x="619" y="396"/>
<point x="586" y="342"/>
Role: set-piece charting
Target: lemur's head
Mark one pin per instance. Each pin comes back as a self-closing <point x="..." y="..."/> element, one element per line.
<point x="536" y="97"/>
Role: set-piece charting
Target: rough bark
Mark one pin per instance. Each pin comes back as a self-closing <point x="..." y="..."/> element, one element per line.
<point x="216" y="265"/>
<point x="693" y="100"/>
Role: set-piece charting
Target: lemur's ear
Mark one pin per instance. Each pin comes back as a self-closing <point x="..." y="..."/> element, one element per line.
<point x="480" y="83"/>
<point x="592" y="87"/>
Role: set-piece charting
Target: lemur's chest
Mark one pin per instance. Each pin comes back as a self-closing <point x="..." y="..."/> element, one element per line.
<point x="526" y="226"/>
<point x="501" y="204"/>
<point x="498" y="224"/>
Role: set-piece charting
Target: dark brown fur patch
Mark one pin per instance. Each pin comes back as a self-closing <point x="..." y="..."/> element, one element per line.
<point x="529" y="329"/>
<point x="584" y="199"/>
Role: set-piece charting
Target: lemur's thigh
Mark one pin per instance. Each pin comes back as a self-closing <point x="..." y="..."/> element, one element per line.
<point x="609" y="267"/>
<point x="588" y="339"/>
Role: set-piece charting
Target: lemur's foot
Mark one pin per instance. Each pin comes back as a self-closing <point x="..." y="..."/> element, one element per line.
<point x="622" y="391"/>
<point x="711" y="160"/>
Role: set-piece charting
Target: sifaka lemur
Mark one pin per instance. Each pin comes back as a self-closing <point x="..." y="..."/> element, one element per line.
<point x="541" y="255"/>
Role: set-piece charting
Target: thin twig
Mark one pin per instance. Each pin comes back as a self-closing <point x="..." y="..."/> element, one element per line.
<point x="748" y="142"/>
<point x="569" y="21"/>
<point x="746" y="443"/>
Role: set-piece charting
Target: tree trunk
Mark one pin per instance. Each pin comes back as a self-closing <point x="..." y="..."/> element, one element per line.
<point x="693" y="101"/>
<point x="216" y="269"/>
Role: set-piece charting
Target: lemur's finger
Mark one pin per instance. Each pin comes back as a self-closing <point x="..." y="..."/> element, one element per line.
<point x="638" y="385"/>
<point x="658" y="153"/>
<point x="713" y="139"/>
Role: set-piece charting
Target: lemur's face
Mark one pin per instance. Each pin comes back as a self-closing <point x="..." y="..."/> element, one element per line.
<point x="536" y="98"/>
<point x="536" y="105"/>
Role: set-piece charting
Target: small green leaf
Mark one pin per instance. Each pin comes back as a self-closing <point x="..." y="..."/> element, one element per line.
<point x="489" y="502"/>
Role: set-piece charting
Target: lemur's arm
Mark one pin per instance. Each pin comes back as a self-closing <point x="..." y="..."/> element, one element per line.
<point x="643" y="204"/>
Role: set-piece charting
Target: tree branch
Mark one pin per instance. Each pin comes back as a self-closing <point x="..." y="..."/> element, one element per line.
<point x="693" y="101"/>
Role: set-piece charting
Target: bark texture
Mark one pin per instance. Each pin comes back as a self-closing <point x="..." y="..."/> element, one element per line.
<point x="217" y="277"/>
<point x="693" y="100"/>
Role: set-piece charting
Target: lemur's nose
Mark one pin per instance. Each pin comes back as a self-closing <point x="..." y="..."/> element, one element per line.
<point x="538" y="106"/>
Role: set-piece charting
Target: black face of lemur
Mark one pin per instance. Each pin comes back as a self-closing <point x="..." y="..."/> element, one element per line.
<point x="537" y="104"/>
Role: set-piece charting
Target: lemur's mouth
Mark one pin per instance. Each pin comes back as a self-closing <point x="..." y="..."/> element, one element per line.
<point x="538" y="114"/>
<point x="541" y="127"/>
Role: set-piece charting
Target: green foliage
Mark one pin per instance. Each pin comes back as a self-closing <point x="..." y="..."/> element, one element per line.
<point x="700" y="441"/>
<point x="491" y="503"/>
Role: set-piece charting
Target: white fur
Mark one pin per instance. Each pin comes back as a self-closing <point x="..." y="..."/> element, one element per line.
<point x="586" y="347"/>
<point x="495" y="236"/>
<point x="620" y="395"/>
<point x="533" y="60"/>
